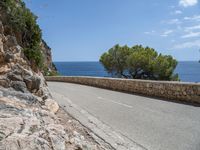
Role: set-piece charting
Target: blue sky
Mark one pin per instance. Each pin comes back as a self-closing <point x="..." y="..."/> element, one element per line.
<point x="81" y="30"/>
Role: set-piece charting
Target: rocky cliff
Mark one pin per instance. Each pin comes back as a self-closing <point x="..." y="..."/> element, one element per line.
<point x="49" y="67"/>
<point x="20" y="23"/>
<point x="28" y="114"/>
<point x="15" y="70"/>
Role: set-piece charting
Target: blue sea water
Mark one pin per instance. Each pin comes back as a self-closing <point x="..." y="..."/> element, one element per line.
<point x="189" y="71"/>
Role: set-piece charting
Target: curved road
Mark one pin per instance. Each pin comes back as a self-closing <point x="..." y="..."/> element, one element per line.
<point x="154" y="124"/>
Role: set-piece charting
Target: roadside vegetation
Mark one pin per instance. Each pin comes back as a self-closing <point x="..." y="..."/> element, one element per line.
<point x="48" y="72"/>
<point x="139" y="62"/>
<point x="22" y="23"/>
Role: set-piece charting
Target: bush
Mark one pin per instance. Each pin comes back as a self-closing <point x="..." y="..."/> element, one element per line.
<point x="48" y="72"/>
<point x="23" y="22"/>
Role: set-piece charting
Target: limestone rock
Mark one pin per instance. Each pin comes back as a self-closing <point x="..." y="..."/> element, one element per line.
<point x="4" y="83"/>
<point x="32" y="82"/>
<point x="19" y="86"/>
<point x="16" y="68"/>
<point x="46" y="52"/>
<point x="51" y="105"/>
<point x="1" y="28"/>
<point x="11" y="41"/>
<point x="8" y="57"/>
<point x="14" y="76"/>
<point x="4" y="69"/>
<point x="57" y="136"/>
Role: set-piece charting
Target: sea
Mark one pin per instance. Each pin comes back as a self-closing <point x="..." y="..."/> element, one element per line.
<point x="189" y="71"/>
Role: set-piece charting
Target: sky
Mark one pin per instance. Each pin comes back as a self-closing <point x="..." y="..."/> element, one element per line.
<point x="81" y="30"/>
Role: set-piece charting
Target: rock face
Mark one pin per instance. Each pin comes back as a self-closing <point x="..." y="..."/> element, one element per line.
<point x="47" y="55"/>
<point x="15" y="70"/>
<point x="25" y="125"/>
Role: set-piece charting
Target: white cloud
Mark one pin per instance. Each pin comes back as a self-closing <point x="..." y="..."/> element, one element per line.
<point x="174" y="21"/>
<point x="191" y="35"/>
<point x="193" y="18"/>
<point x="190" y="44"/>
<point x="150" y="32"/>
<point x="177" y="12"/>
<point x="189" y="29"/>
<point x="167" y="33"/>
<point x="187" y="3"/>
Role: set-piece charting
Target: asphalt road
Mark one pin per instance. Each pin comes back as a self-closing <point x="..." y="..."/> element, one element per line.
<point x="153" y="123"/>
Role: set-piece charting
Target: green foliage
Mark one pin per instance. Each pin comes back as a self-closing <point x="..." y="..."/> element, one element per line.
<point x="48" y="72"/>
<point x="23" y="22"/>
<point x="139" y="63"/>
<point x="164" y="66"/>
<point x="115" y="60"/>
<point x="34" y="55"/>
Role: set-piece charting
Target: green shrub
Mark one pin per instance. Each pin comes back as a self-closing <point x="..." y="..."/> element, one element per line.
<point x="48" y="72"/>
<point x="22" y="21"/>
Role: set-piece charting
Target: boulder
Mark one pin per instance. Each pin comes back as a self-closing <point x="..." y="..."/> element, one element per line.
<point x="8" y="57"/>
<point x="19" y="86"/>
<point x="52" y="105"/>
<point x="4" y="83"/>
<point x="4" y="69"/>
<point x="14" y="77"/>
<point x="32" y="82"/>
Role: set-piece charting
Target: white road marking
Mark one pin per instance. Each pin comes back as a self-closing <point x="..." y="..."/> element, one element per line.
<point x="125" y="105"/>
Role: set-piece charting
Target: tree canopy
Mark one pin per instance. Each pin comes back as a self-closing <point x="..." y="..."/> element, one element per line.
<point x="139" y="62"/>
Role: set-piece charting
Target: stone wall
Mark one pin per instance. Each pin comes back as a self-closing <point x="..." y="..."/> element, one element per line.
<point x="182" y="91"/>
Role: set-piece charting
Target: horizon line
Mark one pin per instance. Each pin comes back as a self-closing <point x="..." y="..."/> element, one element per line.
<point x="99" y="61"/>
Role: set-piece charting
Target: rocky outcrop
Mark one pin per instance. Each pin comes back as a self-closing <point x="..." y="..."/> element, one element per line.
<point x="18" y="24"/>
<point x="15" y="70"/>
<point x="28" y="118"/>
<point x="28" y="115"/>
<point x="47" y="55"/>
<point x="26" y="124"/>
<point x="25" y="121"/>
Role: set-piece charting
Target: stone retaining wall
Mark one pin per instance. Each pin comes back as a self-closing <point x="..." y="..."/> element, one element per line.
<point x="182" y="91"/>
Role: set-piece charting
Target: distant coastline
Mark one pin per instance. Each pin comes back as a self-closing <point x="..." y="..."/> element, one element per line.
<point x="189" y="71"/>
